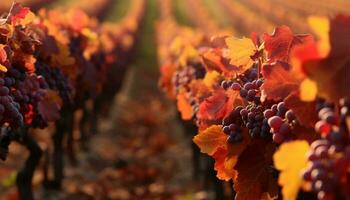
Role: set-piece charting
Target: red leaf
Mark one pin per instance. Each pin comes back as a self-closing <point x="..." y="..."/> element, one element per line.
<point x="18" y="12"/>
<point x="280" y="43"/>
<point x="254" y="179"/>
<point x="213" y="109"/>
<point x="279" y="82"/>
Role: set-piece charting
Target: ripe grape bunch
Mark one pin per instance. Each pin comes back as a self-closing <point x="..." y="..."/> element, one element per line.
<point x="55" y="80"/>
<point x="185" y="75"/>
<point x="26" y="90"/>
<point x="261" y="118"/>
<point x="9" y="108"/>
<point x="329" y="156"/>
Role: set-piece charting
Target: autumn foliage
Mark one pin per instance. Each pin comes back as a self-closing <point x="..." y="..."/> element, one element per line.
<point x="297" y="71"/>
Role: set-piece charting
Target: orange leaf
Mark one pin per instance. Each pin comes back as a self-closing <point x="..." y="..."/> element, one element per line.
<point x="184" y="106"/>
<point x="223" y="173"/>
<point x="279" y="82"/>
<point x="226" y="159"/>
<point x="3" y="54"/>
<point x="254" y="177"/>
<point x="165" y="81"/>
<point x="213" y="60"/>
<point x="290" y="165"/>
<point x="280" y="43"/>
<point x="211" y="139"/>
<point x="27" y="61"/>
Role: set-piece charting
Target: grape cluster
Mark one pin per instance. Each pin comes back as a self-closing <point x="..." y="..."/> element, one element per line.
<point x="329" y="156"/>
<point x="26" y="90"/>
<point x="281" y="121"/>
<point x="9" y="109"/>
<point x="261" y="118"/>
<point x="250" y="116"/>
<point x="185" y="75"/>
<point x="232" y="125"/>
<point x="55" y="79"/>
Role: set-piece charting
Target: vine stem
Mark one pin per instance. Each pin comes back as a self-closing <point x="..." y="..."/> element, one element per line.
<point x="25" y="176"/>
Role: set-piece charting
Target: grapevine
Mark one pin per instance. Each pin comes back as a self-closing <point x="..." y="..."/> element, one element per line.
<point x="44" y="59"/>
<point x="257" y="93"/>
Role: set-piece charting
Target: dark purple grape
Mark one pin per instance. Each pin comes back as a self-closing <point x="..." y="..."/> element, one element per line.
<point x="235" y="86"/>
<point x="4" y="91"/>
<point x="243" y="93"/>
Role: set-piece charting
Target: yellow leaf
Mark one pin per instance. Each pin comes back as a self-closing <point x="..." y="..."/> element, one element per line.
<point x="29" y="18"/>
<point x="211" y="139"/>
<point x="240" y="51"/>
<point x="189" y="52"/>
<point x="176" y="45"/>
<point x="3" y="68"/>
<point x="321" y="26"/>
<point x="290" y="159"/>
<point x="210" y="78"/>
<point x="89" y="34"/>
<point x="308" y="90"/>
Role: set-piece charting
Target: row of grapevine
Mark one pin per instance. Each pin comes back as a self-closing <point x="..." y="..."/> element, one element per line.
<point x="200" y="16"/>
<point x="244" y="19"/>
<point x="322" y="7"/>
<point x="51" y="64"/>
<point x="92" y="7"/>
<point x="274" y="117"/>
<point x="33" y="4"/>
<point x="278" y="14"/>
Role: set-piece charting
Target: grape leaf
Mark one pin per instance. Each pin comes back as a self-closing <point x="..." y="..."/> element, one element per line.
<point x="49" y="107"/>
<point x="211" y="79"/>
<point x="27" y="61"/>
<point x="226" y="158"/>
<point x="184" y="106"/>
<point x="165" y="81"/>
<point x="3" y="54"/>
<point x="214" y="108"/>
<point x="223" y="173"/>
<point x="240" y="51"/>
<point x="279" y="82"/>
<point x="305" y="112"/>
<point x="187" y="53"/>
<point x="280" y="43"/>
<point x="290" y="165"/>
<point x="328" y="68"/>
<point x="214" y="60"/>
<point x="254" y="177"/>
<point x="211" y="139"/>
<point x="3" y="68"/>
<point x="20" y="14"/>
